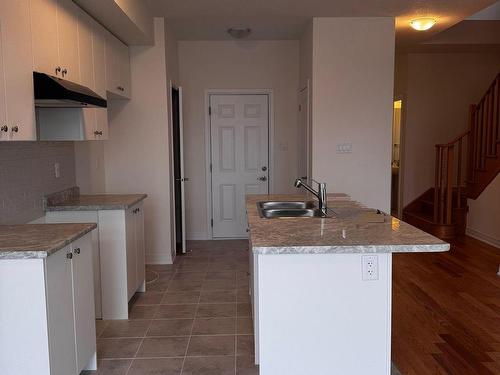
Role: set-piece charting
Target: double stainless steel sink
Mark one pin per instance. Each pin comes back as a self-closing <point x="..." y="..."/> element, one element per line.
<point x="276" y="209"/>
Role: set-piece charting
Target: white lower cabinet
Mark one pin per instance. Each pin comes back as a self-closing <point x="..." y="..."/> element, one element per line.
<point x="119" y="255"/>
<point x="47" y="321"/>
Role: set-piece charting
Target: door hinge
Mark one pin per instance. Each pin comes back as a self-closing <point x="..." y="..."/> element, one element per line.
<point x="210" y="111"/>
<point x="211" y="222"/>
<point x="210" y="167"/>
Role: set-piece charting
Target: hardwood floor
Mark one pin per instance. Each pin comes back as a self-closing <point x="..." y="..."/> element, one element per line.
<point x="446" y="310"/>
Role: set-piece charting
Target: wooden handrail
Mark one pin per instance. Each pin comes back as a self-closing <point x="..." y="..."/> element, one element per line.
<point x="459" y="160"/>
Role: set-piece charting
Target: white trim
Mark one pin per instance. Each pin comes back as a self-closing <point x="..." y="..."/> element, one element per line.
<point x="208" y="177"/>
<point x="474" y="233"/>
<point x="158" y="258"/>
<point x="197" y="236"/>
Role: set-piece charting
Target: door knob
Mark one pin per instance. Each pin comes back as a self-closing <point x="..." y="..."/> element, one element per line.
<point x="263" y="178"/>
<point x="264" y="168"/>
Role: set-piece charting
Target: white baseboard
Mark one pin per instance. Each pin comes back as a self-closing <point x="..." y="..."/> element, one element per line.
<point x="483" y="237"/>
<point x="197" y="236"/>
<point x="40" y="220"/>
<point x="158" y="258"/>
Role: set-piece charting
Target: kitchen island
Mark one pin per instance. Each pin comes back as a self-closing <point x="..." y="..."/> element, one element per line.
<point x="321" y="287"/>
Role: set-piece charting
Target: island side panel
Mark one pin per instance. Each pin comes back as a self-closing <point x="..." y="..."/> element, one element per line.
<point x="317" y="316"/>
<point x="23" y="317"/>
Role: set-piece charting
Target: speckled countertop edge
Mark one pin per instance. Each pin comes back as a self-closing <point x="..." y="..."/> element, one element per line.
<point x="71" y="200"/>
<point x="360" y="235"/>
<point x="32" y="252"/>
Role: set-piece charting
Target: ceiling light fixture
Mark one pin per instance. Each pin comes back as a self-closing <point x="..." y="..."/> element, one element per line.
<point x="422" y="24"/>
<point x="239" y="32"/>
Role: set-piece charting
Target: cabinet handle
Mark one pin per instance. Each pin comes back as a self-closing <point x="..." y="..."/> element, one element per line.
<point x="58" y="70"/>
<point x="15" y="129"/>
<point x="98" y="132"/>
<point x="64" y="72"/>
<point x="120" y="88"/>
<point x="69" y="255"/>
<point x="4" y="128"/>
<point x="77" y="250"/>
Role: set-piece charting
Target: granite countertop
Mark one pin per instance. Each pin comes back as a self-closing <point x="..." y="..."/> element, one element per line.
<point x="35" y="241"/>
<point x="352" y="228"/>
<point x="71" y="200"/>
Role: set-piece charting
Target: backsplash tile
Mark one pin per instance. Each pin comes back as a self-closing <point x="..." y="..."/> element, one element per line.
<point x="27" y="174"/>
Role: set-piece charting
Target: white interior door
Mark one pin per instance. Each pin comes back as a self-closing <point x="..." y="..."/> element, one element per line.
<point x="239" y="130"/>
<point x="183" y="179"/>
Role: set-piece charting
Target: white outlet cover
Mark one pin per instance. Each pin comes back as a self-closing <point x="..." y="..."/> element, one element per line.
<point x="57" y="170"/>
<point x="369" y="267"/>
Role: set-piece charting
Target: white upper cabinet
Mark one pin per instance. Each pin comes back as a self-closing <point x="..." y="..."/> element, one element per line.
<point x="3" y="111"/>
<point x="44" y="36"/>
<point x="67" y="31"/>
<point x="54" y="27"/>
<point x="117" y="68"/>
<point x="18" y="98"/>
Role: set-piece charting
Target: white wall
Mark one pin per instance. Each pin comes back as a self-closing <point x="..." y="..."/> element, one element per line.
<point x="353" y="73"/>
<point x="137" y="154"/>
<point x="483" y="221"/>
<point x="439" y="89"/>
<point x="237" y="65"/>
<point x="89" y="163"/>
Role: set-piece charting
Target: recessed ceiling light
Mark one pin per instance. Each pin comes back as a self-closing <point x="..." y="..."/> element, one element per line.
<point x="422" y="24"/>
<point x="239" y="32"/>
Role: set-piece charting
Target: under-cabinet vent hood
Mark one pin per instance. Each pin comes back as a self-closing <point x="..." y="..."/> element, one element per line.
<point x="53" y="92"/>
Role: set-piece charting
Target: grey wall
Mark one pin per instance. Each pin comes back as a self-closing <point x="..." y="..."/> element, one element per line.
<point x="27" y="174"/>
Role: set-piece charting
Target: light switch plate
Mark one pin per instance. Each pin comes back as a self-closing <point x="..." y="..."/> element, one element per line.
<point x="344" y="148"/>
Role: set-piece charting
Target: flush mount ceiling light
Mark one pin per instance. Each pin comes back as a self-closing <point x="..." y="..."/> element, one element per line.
<point x="239" y="32"/>
<point x="422" y="24"/>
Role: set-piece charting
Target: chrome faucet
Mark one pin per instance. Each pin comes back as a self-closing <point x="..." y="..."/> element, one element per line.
<point x="320" y="194"/>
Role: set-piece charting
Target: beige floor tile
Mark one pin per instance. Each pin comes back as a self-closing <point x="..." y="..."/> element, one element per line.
<point x="218" y="296"/>
<point x="224" y="310"/>
<point x="100" y="326"/>
<point x="173" y="298"/>
<point x="245" y="345"/>
<point x="211" y="345"/>
<point x="244" y="309"/>
<point x="156" y="366"/>
<point x="117" y="348"/>
<point x="126" y="328"/>
<point x="246" y="366"/>
<point x="222" y="365"/>
<point x="110" y="367"/>
<point x="170" y="327"/>
<point x="163" y="347"/>
<point x="148" y="298"/>
<point x="214" y="326"/>
<point x="143" y="312"/>
<point x="176" y="311"/>
<point x="244" y="326"/>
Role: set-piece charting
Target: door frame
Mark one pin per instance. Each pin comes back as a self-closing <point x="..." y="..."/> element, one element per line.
<point x="208" y="142"/>
<point x="402" y="133"/>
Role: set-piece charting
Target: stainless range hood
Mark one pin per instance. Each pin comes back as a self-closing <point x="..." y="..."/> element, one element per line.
<point x="53" y="92"/>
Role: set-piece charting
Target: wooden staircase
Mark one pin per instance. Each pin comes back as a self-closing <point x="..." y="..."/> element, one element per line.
<point x="464" y="168"/>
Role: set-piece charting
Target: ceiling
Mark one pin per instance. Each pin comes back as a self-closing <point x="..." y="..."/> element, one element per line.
<point x="287" y="19"/>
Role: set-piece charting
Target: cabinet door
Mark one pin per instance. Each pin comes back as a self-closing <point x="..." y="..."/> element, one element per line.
<point x="124" y="57"/>
<point x="67" y="31"/>
<point x="83" y="301"/>
<point x="44" y="36"/>
<point x="139" y="241"/>
<point x="18" y="67"/>
<point x="99" y="52"/>
<point x="86" y="69"/>
<point x="60" y="314"/>
<point x="131" y="252"/>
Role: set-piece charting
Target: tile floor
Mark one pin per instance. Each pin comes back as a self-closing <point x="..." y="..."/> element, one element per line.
<point x="194" y="318"/>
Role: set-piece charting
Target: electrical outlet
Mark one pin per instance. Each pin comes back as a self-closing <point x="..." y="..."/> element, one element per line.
<point x="344" y="148"/>
<point x="369" y="265"/>
<point x="57" y="170"/>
